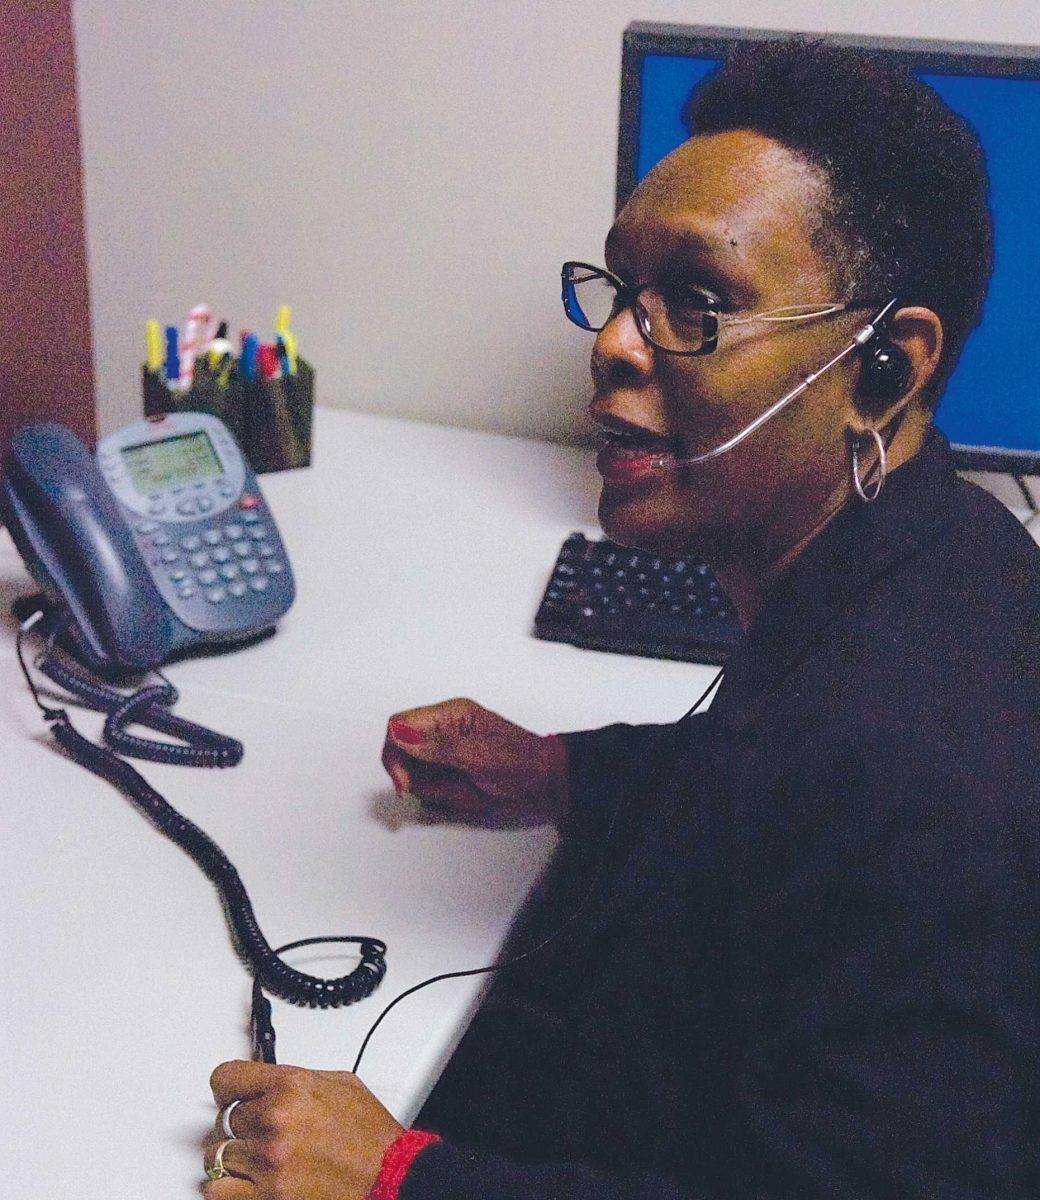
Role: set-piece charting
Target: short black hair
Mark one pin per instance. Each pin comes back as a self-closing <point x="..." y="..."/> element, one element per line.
<point x="908" y="212"/>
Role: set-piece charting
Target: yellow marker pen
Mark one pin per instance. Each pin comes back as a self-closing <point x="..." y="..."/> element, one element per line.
<point x="153" y="342"/>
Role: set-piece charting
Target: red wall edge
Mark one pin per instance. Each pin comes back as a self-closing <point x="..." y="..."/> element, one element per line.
<point x="46" y="359"/>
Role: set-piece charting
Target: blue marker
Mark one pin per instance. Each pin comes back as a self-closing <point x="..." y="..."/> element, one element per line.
<point x="173" y="361"/>
<point x="247" y="363"/>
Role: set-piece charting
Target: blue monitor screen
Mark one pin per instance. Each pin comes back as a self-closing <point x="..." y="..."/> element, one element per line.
<point x="991" y="398"/>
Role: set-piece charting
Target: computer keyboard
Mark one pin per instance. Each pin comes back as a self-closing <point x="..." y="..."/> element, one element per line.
<point x="604" y="597"/>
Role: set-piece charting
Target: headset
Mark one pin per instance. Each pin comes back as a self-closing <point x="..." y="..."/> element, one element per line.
<point x="885" y="375"/>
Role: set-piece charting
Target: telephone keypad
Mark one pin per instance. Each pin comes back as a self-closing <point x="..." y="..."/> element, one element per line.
<point x="226" y="563"/>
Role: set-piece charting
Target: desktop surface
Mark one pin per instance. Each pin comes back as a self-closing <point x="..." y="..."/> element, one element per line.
<point x="420" y="554"/>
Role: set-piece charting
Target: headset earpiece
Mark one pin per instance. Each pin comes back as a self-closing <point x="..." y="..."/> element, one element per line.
<point x="886" y="371"/>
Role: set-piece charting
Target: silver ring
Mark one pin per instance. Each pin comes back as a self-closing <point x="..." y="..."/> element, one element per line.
<point x="225" y="1119"/>
<point x="218" y="1170"/>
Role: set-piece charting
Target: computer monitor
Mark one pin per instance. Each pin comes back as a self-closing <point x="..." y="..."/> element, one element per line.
<point x="990" y="410"/>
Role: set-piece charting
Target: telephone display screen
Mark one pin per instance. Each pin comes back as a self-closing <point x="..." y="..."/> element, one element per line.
<point x="156" y="466"/>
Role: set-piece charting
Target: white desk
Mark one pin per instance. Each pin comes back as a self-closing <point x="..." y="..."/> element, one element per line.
<point x="420" y="554"/>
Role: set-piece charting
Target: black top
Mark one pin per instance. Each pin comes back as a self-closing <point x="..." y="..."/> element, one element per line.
<point x="813" y="966"/>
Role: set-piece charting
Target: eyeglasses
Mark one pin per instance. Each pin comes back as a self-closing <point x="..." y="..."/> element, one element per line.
<point x="678" y="319"/>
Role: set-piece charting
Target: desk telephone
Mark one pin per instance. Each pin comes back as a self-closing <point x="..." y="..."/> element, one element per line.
<point x="160" y="545"/>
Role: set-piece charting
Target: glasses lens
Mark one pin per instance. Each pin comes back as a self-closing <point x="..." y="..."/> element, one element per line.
<point x="675" y="321"/>
<point x="588" y="297"/>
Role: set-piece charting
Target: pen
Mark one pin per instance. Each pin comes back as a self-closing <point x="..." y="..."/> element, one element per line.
<point x="281" y="326"/>
<point x="153" y="342"/>
<point x="268" y="360"/>
<point x="219" y="347"/>
<point x="195" y="333"/>
<point x="247" y="363"/>
<point x="173" y="369"/>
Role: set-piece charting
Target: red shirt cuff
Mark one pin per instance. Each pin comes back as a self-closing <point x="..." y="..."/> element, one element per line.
<point x="396" y="1161"/>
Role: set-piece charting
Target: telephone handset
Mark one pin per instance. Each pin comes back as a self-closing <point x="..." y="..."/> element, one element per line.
<point x="162" y="543"/>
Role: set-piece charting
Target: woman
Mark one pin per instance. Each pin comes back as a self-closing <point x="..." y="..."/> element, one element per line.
<point x="809" y="965"/>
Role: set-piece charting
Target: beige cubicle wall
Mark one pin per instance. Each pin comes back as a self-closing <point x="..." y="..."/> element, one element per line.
<point x="407" y="175"/>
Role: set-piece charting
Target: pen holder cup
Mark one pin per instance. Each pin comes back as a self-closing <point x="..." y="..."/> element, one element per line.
<point x="271" y="419"/>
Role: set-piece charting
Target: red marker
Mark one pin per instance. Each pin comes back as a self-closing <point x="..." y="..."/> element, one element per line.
<point x="268" y="358"/>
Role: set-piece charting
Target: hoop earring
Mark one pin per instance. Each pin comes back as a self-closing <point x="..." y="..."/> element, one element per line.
<point x="857" y="482"/>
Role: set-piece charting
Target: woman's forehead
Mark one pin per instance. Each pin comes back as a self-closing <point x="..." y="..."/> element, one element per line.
<point x="732" y="195"/>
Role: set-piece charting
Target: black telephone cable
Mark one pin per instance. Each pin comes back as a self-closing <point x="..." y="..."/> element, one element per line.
<point x="276" y="976"/>
<point x="150" y="707"/>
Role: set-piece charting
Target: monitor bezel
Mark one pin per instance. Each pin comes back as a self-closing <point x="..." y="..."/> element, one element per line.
<point x="940" y="57"/>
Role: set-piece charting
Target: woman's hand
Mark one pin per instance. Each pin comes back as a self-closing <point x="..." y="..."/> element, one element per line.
<point x="473" y="764"/>
<point x="309" y="1135"/>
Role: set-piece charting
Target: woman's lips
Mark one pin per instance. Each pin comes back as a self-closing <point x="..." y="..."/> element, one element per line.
<point x="620" y="461"/>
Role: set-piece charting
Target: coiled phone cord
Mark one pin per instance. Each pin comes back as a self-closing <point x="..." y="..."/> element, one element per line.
<point x="150" y="707"/>
<point x="268" y="969"/>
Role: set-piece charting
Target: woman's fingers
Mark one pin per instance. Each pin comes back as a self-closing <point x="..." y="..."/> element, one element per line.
<point x="242" y="1080"/>
<point x="437" y="733"/>
<point x="236" y="1157"/>
<point x="228" y="1188"/>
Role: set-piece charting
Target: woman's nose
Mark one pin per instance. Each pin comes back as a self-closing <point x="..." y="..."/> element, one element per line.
<point x="620" y="352"/>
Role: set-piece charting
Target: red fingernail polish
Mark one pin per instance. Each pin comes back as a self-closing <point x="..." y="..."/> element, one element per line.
<point x="405" y="733"/>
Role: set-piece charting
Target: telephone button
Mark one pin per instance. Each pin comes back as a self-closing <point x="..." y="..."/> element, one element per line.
<point x="211" y="536"/>
<point x="220" y="554"/>
<point x="242" y="549"/>
<point x="207" y="576"/>
<point x="229" y="571"/>
<point x="178" y="575"/>
<point x="249" y="515"/>
<point x="191" y="542"/>
<point x="250" y="566"/>
<point x="199" y="559"/>
<point x="169" y="556"/>
<point x="186" y="591"/>
<point x="205" y="503"/>
<point x="156" y="508"/>
<point x="234" y="532"/>
<point x="186" y="508"/>
<point x="216" y="595"/>
<point x="247" y="502"/>
<point x="258" y="533"/>
<point x="275" y="567"/>
<point x="265" y="550"/>
<point x="227" y="489"/>
<point x="146" y="526"/>
<point x="237" y="588"/>
<point x="160" y="538"/>
<point x="259" y="583"/>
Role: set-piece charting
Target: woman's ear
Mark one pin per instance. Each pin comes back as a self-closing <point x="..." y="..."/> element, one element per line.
<point x="898" y="365"/>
